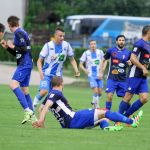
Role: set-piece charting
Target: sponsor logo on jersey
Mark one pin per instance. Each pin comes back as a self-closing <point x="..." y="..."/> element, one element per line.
<point x="115" y="71"/>
<point x="146" y="55"/>
<point x="121" y="70"/>
<point x="115" y="61"/>
<point x="121" y="64"/>
<point x="96" y="62"/>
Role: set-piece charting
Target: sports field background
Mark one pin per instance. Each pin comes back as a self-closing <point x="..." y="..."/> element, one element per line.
<point x="14" y="136"/>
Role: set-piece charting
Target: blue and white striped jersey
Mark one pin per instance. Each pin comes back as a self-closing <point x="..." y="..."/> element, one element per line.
<point x="92" y="60"/>
<point x="54" y="56"/>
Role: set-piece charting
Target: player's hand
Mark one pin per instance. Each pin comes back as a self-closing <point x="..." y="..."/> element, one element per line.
<point x="4" y="44"/>
<point x="86" y="72"/>
<point x="129" y="62"/>
<point x="41" y="76"/>
<point x="77" y="74"/>
<point x="38" y="124"/>
<point x="10" y="44"/>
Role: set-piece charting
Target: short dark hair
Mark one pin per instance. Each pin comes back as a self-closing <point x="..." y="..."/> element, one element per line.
<point x="145" y="29"/>
<point x="56" y="81"/>
<point x="13" y="21"/>
<point x="59" y="29"/>
<point x="119" y="36"/>
<point x="91" y="41"/>
<point x="2" y="28"/>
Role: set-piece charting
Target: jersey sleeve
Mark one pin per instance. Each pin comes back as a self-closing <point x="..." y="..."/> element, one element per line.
<point x="70" y="51"/>
<point x="136" y="50"/>
<point x="108" y="54"/>
<point x="83" y="57"/>
<point x="53" y="97"/>
<point x="102" y="54"/>
<point x="21" y="39"/>
<point x="44" y="51"/>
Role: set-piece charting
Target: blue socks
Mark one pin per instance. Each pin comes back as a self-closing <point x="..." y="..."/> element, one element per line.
<point x="117" y="117"/>
<point x="108" y="105"/>
<point x="135" y="106"/>
<point x="123" y="107"/>
<point x="103" y="124"/>
<point x="29" y="101"/>
<point x="21" y="97"/>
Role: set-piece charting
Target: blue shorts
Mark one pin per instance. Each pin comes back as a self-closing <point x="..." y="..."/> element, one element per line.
<point x="95" y="82"/>
<point x="118" y="86"/>
<point x="83" y="119"/>
<point x="22" y="75"/>
<point x="46" y="83"/>
<point x="137" y="85"/>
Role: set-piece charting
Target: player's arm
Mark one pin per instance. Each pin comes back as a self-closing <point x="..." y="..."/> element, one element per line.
<point x="102" y="68"/>
<point x="40" y="122"/>
<point x="39" y="66"/>
<point x="74" y="65"/>
<point x="136" y="62"/>
<point x="81" y="65"/>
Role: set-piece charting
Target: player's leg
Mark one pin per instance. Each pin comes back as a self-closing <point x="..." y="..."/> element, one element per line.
<point x="44" y="88"/>
<point x="143" y="97"/>
<point x="100" y="89"/>
<point x="95" y="97"/>
<point x="110" y="89"/>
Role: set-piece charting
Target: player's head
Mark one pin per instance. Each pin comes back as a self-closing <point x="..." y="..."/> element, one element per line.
<point x="2" y="29"/>
<point x="13" y="21"/>
<point x="92" y="44"/>
<point x="59" y="35"/>
<point x="120" y="41"/>
<point x="146" y="31"/>
<point x="57" y="82"/>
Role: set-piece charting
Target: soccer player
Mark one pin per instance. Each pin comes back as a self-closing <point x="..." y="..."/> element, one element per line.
<point x="21" y="49"/>
<point x="68" y="118"/>
<point x="119" y="60"/>
<point x="92" y="59"/>
<point x="137" y="82"/>
<point x="54" y="54"/>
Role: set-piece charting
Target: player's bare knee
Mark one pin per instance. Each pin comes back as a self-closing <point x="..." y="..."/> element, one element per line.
<point x="43" y="92"/>
<point x="100" y="113"/>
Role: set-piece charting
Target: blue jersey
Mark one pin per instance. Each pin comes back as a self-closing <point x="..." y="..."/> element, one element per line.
<point x="142" y="51"/>
<point x="60" y="108"/>
<point x="22" y="48"/>
<point x="118" y="63"/>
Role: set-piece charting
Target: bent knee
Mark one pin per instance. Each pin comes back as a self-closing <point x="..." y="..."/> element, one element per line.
<point x="43" y="92"/>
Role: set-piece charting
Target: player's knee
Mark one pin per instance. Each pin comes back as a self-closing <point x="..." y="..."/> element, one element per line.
<point x="144" y="99"/>
<point x="43" y="92"/>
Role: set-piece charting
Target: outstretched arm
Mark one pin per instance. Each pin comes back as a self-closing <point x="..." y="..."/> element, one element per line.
<point x="83" y="68"/>
<point x="102" y="68"/>
<point x="39" y="65"/>
<point x="40" y="122"/>
<point x="74" y="65"/>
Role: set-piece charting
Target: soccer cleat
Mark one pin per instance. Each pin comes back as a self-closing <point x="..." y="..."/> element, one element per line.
<point x="27" y="116"/>
<point x="113" y="128"/>
<point x="33" y="118"/>
<point x="136" y="119"/>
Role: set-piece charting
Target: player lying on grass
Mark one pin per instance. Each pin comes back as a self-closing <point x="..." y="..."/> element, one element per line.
<point x="86" y="118"/>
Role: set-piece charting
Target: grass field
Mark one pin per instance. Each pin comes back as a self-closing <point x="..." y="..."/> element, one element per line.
<point x="14" y="136"/>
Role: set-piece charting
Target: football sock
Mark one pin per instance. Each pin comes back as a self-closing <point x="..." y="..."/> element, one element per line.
<point x="29" y="101"/>
<point x="103" y="124"/>
<point x="134" y="107"/>
<point x="108" y="105"/>
<point x="117" y="117"/>
<point x="37" y="98"/>
<point x="21" y="97"/>
<point x="123" y="107"/>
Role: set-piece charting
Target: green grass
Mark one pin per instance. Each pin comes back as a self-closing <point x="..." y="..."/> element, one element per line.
<point x="14" y="136"/>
